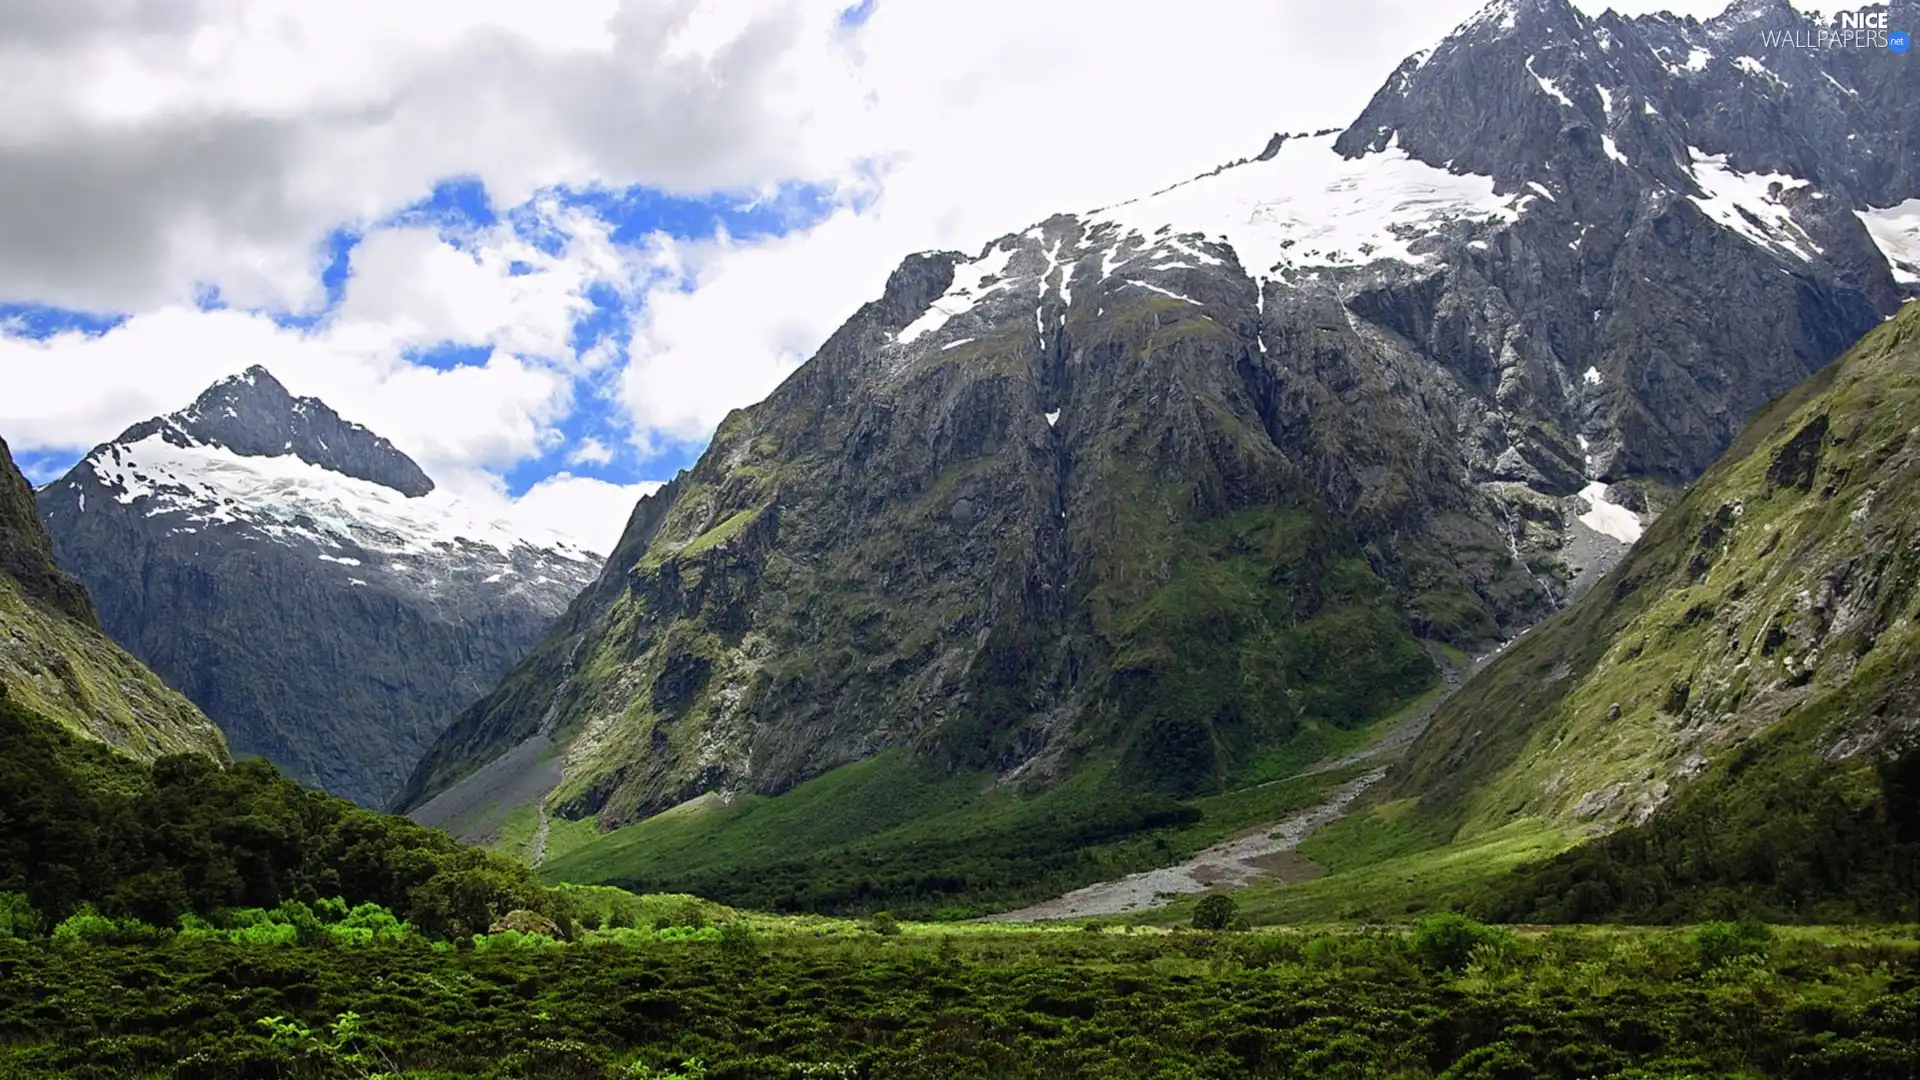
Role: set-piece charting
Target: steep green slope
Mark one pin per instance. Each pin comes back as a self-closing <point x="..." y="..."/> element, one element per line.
<point x="1744" y="686"/>
<point x="55" y="660"/>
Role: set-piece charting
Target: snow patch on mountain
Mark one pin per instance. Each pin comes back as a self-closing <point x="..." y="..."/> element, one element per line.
<point x="1748" y="203"/>
<point x="1606" y="516"/>
<point x="1896" y="231"/>
<point x="973" y="281"/>
<point x="1552" y="88"/>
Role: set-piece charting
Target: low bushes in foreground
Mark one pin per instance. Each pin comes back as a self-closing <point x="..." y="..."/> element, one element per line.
<point x="730" y="1002"/>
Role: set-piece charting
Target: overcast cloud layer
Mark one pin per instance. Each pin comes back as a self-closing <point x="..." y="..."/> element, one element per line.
<point x="158" y="155"/>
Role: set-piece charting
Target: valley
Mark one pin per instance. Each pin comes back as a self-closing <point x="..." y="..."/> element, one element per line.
<point x="1435" y="598"/>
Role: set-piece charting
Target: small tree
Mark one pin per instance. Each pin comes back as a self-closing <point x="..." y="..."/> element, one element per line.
<point x="18" y="919"/>
<point x="1216" y="912"/>
<point x="1446" y="942"/>
<point x="737" y="940"/>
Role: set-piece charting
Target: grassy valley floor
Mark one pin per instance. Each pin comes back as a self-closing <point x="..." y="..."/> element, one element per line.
<point x="890" y="834"/>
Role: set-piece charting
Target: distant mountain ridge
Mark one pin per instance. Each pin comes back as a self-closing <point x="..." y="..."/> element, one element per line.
<point x="303" y="580"/>
<point x="1170" y="484"/>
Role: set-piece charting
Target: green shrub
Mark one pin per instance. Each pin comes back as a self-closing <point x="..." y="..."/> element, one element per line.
<point x="1719" y="943"/>
<point x="1270" y="950"/>
<point x="18" y="919"/>
<point x="884" y="923"/>
<point x="737" y="940"/>
<point x="186" y="835"/>
<point x="89" y="927"/>
<point x="369" y="923"/>
<point x="1446" y="942"/>
<point x="1217" y="911"/>
<point x="265" y="933"/>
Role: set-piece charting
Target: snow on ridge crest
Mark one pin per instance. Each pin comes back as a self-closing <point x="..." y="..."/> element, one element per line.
<point x="1299" y="207"/>
<point x="291" y="500"/>
<point x="1308" y="206"/>
<point x="972" y="282"/>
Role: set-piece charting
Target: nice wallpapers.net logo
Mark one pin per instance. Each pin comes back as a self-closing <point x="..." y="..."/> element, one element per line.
<point x="1851" y="30"/>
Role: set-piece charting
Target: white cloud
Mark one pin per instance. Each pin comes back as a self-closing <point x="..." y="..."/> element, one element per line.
<point x="592" y="512"/>
<point x="144" y="153"/>
<point x="591" y="451"/>
<point x="410" y="288"/>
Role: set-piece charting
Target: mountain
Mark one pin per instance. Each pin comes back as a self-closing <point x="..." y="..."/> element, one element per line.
<point x="55" y="661"/>
<point x="302" y="580"/>
<point x="1175" y="487"/>
<point x="1739" y="697"/>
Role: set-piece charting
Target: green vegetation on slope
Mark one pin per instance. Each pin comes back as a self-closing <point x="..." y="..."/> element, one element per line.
<point x="55" y="660"/>
<point x="1449" y="1000"/>
<point x="1270" y="621"/>
<point x="71" y="673"/>
<point x="1778" y="834"/>
<point x="81" y="826"/>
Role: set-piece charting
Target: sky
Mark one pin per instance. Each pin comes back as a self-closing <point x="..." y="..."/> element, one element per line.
<point x="546" y="247"/>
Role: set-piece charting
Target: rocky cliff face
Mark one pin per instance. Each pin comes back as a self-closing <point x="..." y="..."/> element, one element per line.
<point x="55" y="660"/>
<point x="302" y="581"/>
<point x="1167" y="481"/>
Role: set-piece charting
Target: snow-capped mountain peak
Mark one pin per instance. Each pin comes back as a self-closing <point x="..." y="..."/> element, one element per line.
<point x="252" y="415"/>
<point x="302" y="580"/>
<point x="249" y="454"/>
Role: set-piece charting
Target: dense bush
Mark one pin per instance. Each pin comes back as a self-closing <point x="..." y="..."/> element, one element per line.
<point x="17" y="917"/>
<point x="81" y="826"/>
<point x="1720" y="943"/>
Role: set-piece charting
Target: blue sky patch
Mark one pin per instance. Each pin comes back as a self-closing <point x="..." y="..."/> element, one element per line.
<point x="39" y="321"/>
<point x="456" y="206"/>
<point x="43" y="467"/>
<point x="858" y="14"/>
<point x="638" y="212"/>
<point x="607" y="318"/>
<point x="448" y="355"/>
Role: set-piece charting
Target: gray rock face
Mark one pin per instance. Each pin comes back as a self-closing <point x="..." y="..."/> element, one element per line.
<point x="301" y="581"/>
<point x="1456" y="354"/>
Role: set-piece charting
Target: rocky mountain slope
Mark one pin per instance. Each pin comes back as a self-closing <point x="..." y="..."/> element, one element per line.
<point x="302" y="580"/>
<point x="1778" y="590"/>
<point x="1740" y="694"/>
<point x="1172" y="483"/>
<point x="55" y="661"/>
